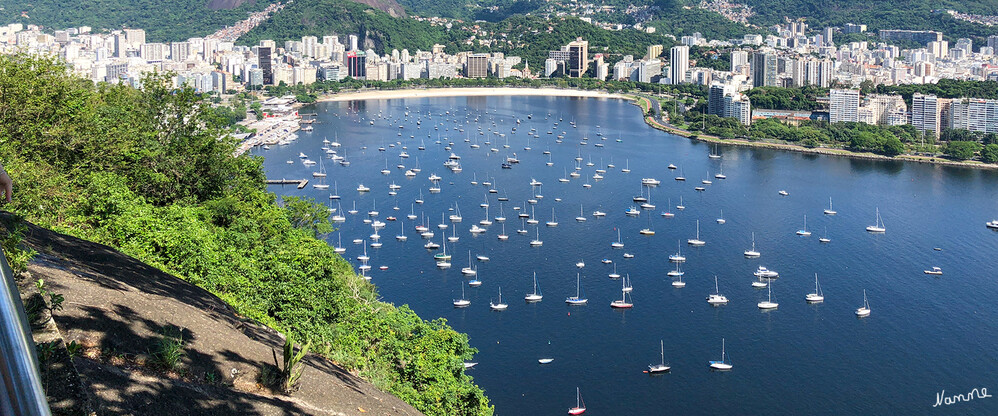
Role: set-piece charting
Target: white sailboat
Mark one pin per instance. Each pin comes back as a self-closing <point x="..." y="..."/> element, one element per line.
<point x="659" y="368"/>
<point x="803" y="232"/>
<point x="537" y="241"/>
<point x="627" y="283"/>
<point x="582" y="215"/>
<point x="830" y="211"/>
<point x="622" y="303"/>
<point x="678" y="257"/>
<point x="752" y="253"/>
<point x="469" y="271"/>
<point x="817" y="296"/>
<point x="614" y="275"/>
<point x="769" y="304"/>
<point x="825" y="238"/>
<point x="463" y="302"/>
<point x="402" y="237"/>
<point x="536" y="295"/>
<point x="618" y="243"/>
<point x="722" y="364"/>
<point x="577" y="299"/>
<point x="498" y="306"/>
<point x="696" y="241"/>
<point x="721" y="220"/>
<point x="716" y="298"/>
<point x="879" y="226"/>
<point x="580" y="406"/>
<point x="554" y="221"/>
<point x="864" y="311"/>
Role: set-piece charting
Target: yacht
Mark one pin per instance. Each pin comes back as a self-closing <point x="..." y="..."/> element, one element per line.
<point x="763" y="272"/>
<point x="650" y="182"/>
<point x="993" y="224"/>
<point x="362" y="188"/>
<point x="716" y="298"/>
<point x="632" y="211"/>
<point x="580" y="264"/>
<point x="784" y="193"/>
<point x="935" y="271"/>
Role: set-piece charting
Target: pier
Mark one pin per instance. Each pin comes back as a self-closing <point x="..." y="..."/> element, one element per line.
<point x="301" y="183"/>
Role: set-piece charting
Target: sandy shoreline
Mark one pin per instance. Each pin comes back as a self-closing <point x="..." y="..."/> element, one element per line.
<point x="468" y="92"/>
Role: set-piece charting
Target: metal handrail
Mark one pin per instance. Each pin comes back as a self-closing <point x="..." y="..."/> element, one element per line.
<point x="20" y="379"/>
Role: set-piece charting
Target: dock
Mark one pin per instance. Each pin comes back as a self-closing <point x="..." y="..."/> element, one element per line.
<point x="301" y="183"/>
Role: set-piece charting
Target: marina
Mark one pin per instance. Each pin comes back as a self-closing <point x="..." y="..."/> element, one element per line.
<point x="592" y="342"/>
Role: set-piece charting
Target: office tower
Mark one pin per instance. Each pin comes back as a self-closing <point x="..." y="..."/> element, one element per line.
<point x="715" y="99"/>
<point x="357" y="64"/>
<point x="925" y="113"/>
<point x="120" y="45"/>
<point x="764" y="69"/>
<point x="578" y="59"/>
<point x="353" y="42"/>
<point x="843" y="106"/>
<point x="679" y="58"/>
<point x="827" y="36"/>
<point x="477" y="66"/>
<point x="264" y="63"/>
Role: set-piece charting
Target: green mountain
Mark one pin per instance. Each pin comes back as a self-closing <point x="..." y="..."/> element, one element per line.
<point x="880" y="14"/>
<point x="163" y="20"/>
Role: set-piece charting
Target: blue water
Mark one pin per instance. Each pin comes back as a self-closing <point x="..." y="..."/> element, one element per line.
<point x="925" y="334"/>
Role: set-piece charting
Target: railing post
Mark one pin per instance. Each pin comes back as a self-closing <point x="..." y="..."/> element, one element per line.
<point x="20" y="378"/>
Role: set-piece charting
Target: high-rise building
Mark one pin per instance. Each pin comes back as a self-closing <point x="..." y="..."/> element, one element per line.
<point x="135" y="37"/>
<point x="153" y="52"/>
<point x="353" y="42"/>
<point x="738" y="106"/>
<point x="975" y="114"/>
<point x="654" y="51"/>
<point x="179" y="51"/>
<point x="357" y="64"/>
<point x="265" y="64"/>
<point x="550" y="67"/>
<point x="679" y="59"/>
<point x="993" y="42"/>
<point x="715" y="98"/>
<point x="649" y="70"/>
<point x="843" y="106"/>
<point x="477" y="66"/>
<point x="939" y="49"/>
<point x="120" y="45"/>
<point x="578" y="58"/>
<point x="920" y="36"/>
<point x="926" y="111"/>
<point x="764" y="69"/>
<point x="738" y="58"/>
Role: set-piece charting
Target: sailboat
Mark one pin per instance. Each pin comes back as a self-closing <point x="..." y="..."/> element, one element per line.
<point x="751" y="253"/>
<point x="577" y="299"/>
<point x="582" y="215"/>
<point x="830" y="211"/>
<point x="580" y="405"/>
<point x="879" y="226"/>
<point x="696" y="241"/>
<point x="769" y="304"/>
<point x="680" y="206"/>
<point x="659" y="368"/>
<point x="676" y="273"/>
<point x="824" y="239"/>
<point x="627" y="166"/>
<point x="679" y="284"/>
<point x="502" y="214"/>
<point x="622" y="303"/>
<point x="716" y="298"/>
<point x="722" y="364"/>
<point x="627" y="283"/>
<point x="803" y="232"/>
<point x="443" y="225"/>
<point x="402" y="237"/>
<point x="322" y="170"/>
<point x="463" y="302"/>
<point x="339" y="249"/>
<point x="498" y="306"/>
<point x="678" y="257"/>
<point x="453" y="238"/>
<point x="554" y="221"/>
<point x="537" y="241"/>
<point x="486" y="221"/>
<point x="864" y="311"/>
<point x="614" y="275"/>
<point x="536" y="295"/>
<point x="714" y="154"/>
<point x="469" y="271"/>
<point x="667" y="213"/>
<point x="456" y="216"/>
<point x="354" y="210"/>
<point x="817" y="296"/>
<point x="720" y="173"/>
<point x="618" y="243"/>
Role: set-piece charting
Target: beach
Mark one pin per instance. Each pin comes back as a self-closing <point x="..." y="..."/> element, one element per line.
<point x="468" y="92"/>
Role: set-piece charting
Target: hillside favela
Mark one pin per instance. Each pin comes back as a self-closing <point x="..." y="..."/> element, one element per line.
<point x="813" y="230"/>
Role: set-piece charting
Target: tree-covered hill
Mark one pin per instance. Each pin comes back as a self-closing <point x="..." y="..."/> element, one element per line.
<point x="163" y="20"/>
<point x="880" y="14"/>
<point x="151" y="172"/>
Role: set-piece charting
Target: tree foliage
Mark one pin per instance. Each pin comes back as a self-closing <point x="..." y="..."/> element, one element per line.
<point x="152" y="173"/>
